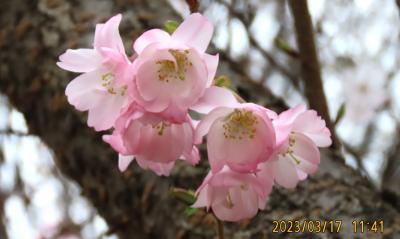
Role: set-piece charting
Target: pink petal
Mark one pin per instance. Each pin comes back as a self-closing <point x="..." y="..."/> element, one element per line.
<point x="310" y="124"/>
<point x="149" y="88"/>
<point x="148" y="84"/>
<point x="124" y="161"/>
<point x="245" y="205"/>
<point x="215" y="97"/>
<point x="307" y="152"/>
<point x="83" y="93"/>
<point x="203" y="198"/>
<point x="80" y="60"/>
<point x="116" y="142"/>
<point x="288" y="116"/>
<point x="285" y="173"/>
<point x="204" y="126"/>
<point x="104" y="115"/>
<point x="190" y="153"/>
<point x="302" y="175"/>
<point x="149" y="37"/>
<point x="195" y="31"/>
<point x="244" y="154"/>
<point x="107" y="35"/>
<point x="212" y="64"/>
<point x="265" y="177"/>
<point x="216" y="148"/>
<point x="161" y="169"/>
<point x="132" y="136"/>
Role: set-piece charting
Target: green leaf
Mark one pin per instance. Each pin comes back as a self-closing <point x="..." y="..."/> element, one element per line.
<point x="170" y="26"/>
<point x="184" y="195"/>
<point x="190" y="211"/>
<point x="341" y="112"/>
<point x="222" y="81"/>
<point x="285" y="47"/>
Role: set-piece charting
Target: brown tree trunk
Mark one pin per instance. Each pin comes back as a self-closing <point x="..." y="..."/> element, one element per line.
<point x="136" y="204"/>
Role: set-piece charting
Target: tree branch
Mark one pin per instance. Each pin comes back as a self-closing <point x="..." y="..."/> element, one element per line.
<point x="310" y="68"/>
<point x="193" y="5"/>
<point x="132" y="208"/>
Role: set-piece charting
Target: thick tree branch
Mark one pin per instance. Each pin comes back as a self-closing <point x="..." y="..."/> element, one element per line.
<point x="310" y="68"/>
<point x="136" y="204"/>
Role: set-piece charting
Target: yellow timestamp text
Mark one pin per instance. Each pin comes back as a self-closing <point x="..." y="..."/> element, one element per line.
<point x="309" y="226"/>
<point x="361" y="226"/>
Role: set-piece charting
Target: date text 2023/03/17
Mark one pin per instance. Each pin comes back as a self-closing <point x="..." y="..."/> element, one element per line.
<point x="322" y="226"/>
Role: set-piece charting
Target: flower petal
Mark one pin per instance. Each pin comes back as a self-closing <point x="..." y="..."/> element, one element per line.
<point x="82" y="92"/>
<point x="213" y="97"/>
<point x="161" y="169"/>
<point x="285" y="173"/>
<point x="216" y="149"/>
<point x="104" y="115"/>
<point x="195" y="31"/>
<point x="107" y="35"/>
<point x="116" y="142"/>
<point x="307" y="153"/>
<point x="149" y="37"/>
<point x="244" y="205"/>
<point x="80" y="60"/>
<point x="212" y="64"/>
<point x="203" y="198"/>
<point x="313" y="126"/>
<point x="204" y="126"/>
<point x="124" y="161"/>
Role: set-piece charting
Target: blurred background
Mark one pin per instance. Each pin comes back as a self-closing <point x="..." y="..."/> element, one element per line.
<point x="358" y="48"/>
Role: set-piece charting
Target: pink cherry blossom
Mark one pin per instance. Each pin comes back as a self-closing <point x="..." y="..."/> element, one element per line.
<point x="173" y="71"/>
<point x="233" y="196"/>
<point x="364" y="91"/>
<point x="155" y="142"/>
<point x="299" y="134"/>
<point x="240" y="136"/>
<point x="101" y="89"/>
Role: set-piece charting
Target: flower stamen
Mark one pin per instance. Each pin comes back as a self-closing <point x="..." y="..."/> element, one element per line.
<point x="240" y="124"/>
<point x="160" y="127"/>
<point x="229" y="202"/>
<point x="108" y="80"/>
<point x="289" y="151"/>
<point x="168" y="70"/>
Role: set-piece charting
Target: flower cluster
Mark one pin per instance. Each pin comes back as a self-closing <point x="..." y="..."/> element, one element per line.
<point x="147" y="100"/>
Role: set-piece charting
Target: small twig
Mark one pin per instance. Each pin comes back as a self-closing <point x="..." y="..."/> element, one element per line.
<point x="358" y="158"/>
<point x="257" y="45"/>
<point x="193" y="5"/>
<point x="220" y="227"/>
<point x="12" y="132"/>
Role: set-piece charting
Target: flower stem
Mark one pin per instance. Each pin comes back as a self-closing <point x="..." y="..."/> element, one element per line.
<point x="220" y="228"/>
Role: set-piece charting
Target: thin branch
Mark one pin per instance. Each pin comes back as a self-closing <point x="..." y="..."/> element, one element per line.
<point x="220" y="228"/>
<point x="310" y="68"/>
<point x="193" y="5"/>
<point x="235" y="66"/>
<point x="257" y="45"/>
<point x="12" y="132"/>
<point x="358" y="158"/>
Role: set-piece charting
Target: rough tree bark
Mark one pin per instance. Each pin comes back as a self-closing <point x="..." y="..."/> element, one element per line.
<point x="136" y="204"/>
